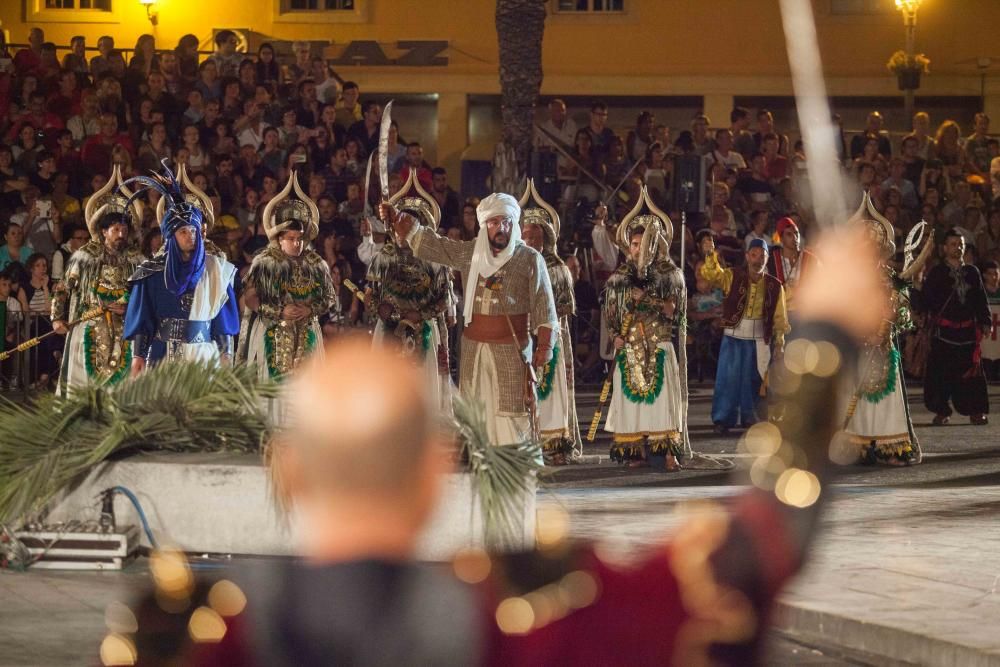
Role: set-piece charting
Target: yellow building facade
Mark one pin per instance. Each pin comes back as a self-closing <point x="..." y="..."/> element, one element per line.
<point x="706" y="53"/>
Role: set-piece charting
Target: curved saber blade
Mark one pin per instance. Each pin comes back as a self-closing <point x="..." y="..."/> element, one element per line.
<point x="383" y="150"/>
<point x="913" y="242"/>
<point x="368" y="186"/>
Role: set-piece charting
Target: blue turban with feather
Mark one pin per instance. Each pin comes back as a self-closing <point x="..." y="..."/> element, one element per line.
<point x="181" y="276"/>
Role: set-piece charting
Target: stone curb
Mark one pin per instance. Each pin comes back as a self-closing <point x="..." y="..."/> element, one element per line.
<point x="894" y="646"/>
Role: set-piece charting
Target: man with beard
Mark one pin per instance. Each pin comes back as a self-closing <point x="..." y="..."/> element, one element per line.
<point x="955" y="301"/>
<point x="557" y="422"/>
<point x="755" y="319"/>
<point x="293" y="287"/>
<point x="642" y="301"/>
<point x="182" y="304"/>
<point x="508" y="297"/>
<point x="96" y="276"/>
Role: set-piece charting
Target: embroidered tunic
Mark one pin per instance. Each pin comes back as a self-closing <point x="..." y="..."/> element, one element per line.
<point x="95" y="350"/>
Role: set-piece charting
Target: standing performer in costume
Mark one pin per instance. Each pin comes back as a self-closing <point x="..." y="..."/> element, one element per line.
<point x="878" y="420"/>
<point x="411" y="295"/>
<point x="97" y="277"/>
<point x="182" y="304"/>
<point x="957" y="309"/>
<point x="755" y="319"/>
<point x="292" y="284"/>
<point x="557" y="422"/>
<point x="508" y="297"/>
<point x="787" y="261"/>
<point x="643" y="300"/>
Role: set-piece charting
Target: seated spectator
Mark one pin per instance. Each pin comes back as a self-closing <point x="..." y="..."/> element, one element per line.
<point x="415" y="161"/>
<point x="298" y="160"/>
<point x="96" y="151"/>
<point x="307" y="111"/>
<point x="320" y="146"/>
<point x="760" y="222"/>
<point x="86" y="123"/>
<point x="231" y="103"/>
<point x="776" y="165"/>
<point x="174" y="82"/>
<point x="226" y="59"/>
<point x="870" y="155"/>
<point x="249" y="128"/>
<point x="897" y="170"/>
<point x="12" y="177"/>
<point x="703" y="143"/>
<point x="988" y="240"/>
<point x="208" y="81"/>
<point x="99" y="65"/>
<point x="470" y="223"/>
<point x="977" y="147"/>
<point x="599" y="133"/>
<point x="755" y="187"/>
<point x="67" y="206"/>
<point x="765" y="126"/>
<point x="42" y="177"/>
<point x="948" y="149"/>
<point x="290" y="132"/>
<point x="154" y="151"/>
<point x="355" y="157"/>
<point x="366" y="129"/>
<point x="300" y="68"/>
<point x="913" y="164"/>
<point x="446" y="198"/>
<point x="326" y="85"/>
<point x="352" y="209"/>
<point x="13" y="250"/>
<point x="873" y="130"/>
<point x="271" y="154"/>
<point x="65" y="100"/>
<point x="39" y="221"/>
<point x="640" y="138"/>
<point x="616" y="164"/>
<point x="348" y="109"/>
<point x="249" y="210"/>
<point x="247" y="76"/>
<point x="76" y="236"/>
<point x="29" y="60"/>
<point x="723" y="152"/>
<point x="657" y="174"/>
<point x="268" y="70"/>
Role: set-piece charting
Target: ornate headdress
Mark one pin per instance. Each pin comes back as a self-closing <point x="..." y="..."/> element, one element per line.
<point x="881" y="230"/>
<point x="282" y="211"/>
<point x="174" y="211"/>
<point x="114" y="198"/>
<point x="194" y="196"/>
<point x="658" y="231"/>
<point x="420" y="204"/>
<point x="540" y="213"/>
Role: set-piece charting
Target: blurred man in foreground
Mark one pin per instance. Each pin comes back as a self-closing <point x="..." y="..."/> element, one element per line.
<point x="356" y="596"/>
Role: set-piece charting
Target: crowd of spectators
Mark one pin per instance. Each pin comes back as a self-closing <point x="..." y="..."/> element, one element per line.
<point x="241" y="122"/>
<point x="754" y="176"/>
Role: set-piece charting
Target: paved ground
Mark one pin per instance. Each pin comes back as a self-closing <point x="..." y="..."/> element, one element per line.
<point x="908" y="565"/>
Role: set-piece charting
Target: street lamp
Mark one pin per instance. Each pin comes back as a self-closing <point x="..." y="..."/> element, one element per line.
<point x="152" y="15"/>
<point x="909" y="9"/>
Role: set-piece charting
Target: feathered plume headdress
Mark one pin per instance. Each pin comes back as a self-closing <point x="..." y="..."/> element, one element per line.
<point x="181" y="276"/>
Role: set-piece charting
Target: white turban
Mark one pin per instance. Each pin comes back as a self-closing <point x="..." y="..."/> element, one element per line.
<point x="496" y="204"/>
<point x="484" y="262"/>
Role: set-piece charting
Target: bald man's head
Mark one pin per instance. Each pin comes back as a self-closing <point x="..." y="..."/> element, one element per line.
<point x="358" y="421"/>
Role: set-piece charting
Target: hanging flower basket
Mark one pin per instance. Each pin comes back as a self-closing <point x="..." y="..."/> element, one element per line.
<point x="908" y="69"/>
<point x="908" y="79"/>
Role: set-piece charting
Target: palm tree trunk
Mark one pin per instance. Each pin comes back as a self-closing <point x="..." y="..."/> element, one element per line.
<point x="520" y="26"/>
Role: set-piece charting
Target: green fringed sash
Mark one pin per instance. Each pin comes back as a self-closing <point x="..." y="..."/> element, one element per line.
<point x="425" y="336"/>
<point x="650" y="394"/>
<point x="545" y="384"/>
<point x="124" y="364"/>
<point x="269" y="352"/>
<point x="892" y="376"/>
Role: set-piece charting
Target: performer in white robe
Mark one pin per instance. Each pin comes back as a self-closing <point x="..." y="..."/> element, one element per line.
<point x="507" y="299"/>
<point x="643" y="302"/>
<point x="878" y="420"/>
<point x="96" y="277"/>
<point x="411" y="296"/>
<point x="557" y="422"/>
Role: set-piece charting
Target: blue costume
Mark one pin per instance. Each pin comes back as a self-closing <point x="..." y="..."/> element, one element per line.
<point x="754" y="319"/>
<point x="177" y="309"/>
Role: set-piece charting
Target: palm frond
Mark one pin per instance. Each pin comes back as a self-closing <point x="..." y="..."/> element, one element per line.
<point x="174" y="407"/>
<point x="502" y="476"/>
